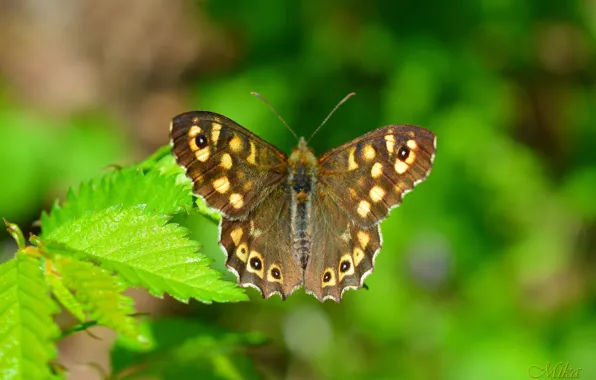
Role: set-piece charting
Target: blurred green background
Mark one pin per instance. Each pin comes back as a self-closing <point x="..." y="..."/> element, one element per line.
<point x="487" y="269"/>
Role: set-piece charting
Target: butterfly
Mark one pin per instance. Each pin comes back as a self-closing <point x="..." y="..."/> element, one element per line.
<point x="298" y="220"/>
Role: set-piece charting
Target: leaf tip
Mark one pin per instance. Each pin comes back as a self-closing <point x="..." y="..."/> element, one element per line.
<point x="16" y="233"/>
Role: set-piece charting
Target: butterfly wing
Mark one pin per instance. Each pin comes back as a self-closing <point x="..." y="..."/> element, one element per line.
<point x="232" y="169"/>
<point x="342" y="253"/>
<point x="369" y="176"/>
<point x="358" y="184"/>
<point x="259" y="247"/>
<point x="243" y="177"/>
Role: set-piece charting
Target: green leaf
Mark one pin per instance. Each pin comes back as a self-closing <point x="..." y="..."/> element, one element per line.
<point x="184" y="347"/>
<point x="26" y="325"/>
<point x="163" y="162"/>
<point x="146" y="251"/>
<point x="99" y="293"/>
<point x="207" y="212"/>
<point x="160" y="194"/>
<point x="64" y="296"/>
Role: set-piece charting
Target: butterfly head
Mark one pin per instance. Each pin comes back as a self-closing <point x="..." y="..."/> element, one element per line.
<point x="302" y="155"/>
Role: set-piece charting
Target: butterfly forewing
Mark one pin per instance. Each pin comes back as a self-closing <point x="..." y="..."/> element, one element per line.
<point x="370" y="175"/>
<point x="231" y="168"/>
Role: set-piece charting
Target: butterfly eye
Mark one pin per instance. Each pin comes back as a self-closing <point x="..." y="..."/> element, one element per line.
<point x="403" y="153"/>
<point x="201" y="141"/>
<point x="255" y="262"/>
<point x="345" y="266"/>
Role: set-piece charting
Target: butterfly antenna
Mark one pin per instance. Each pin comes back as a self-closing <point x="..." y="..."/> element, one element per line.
<point x="275" y="112"/>
<point x="331" y="113"/>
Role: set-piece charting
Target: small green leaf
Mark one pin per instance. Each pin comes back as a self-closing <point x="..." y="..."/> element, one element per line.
<point x="16" y="234"/>
<point x="146" y="251"/>
<point x="26" y="325"/>
<point x="207" y="212"/>
<point x="64" y="296"/>
<point x="161" y="161"/>
<point x="99" y="293"/>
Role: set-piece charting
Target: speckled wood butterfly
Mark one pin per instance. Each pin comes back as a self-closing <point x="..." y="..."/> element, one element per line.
<point x="300" y="221"/>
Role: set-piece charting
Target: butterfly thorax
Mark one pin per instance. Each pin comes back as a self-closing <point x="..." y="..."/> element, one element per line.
<point x="302" y="167"/>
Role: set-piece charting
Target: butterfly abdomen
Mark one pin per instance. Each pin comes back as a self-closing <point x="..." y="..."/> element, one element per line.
<point x="301" y="184"/>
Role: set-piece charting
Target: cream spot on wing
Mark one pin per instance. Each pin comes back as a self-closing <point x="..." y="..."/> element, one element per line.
<point x="352" y="192"/>
<point x="192" y="143"/>
<point x="377" y="193"/>
<point x="254" y="232"/>
<point x="346" y="235"/>
<point x="328" y="277"/>
<point x="236" y="200"/>
<point x="368" y="152"/>
<point x="411" y="158"/>
<point x="412" y="144"/>
<point x="377" y="170"/>
<point x="253" y="154"/>
<point x="401" y="167"/>
<point x="351" y="160"/>
<point x="363" y="208"/>
<point x="248" y="185"/>
<point x="236" y="144"/>
<point x="242" y="252"/>
<point x="226" y="161"/>
<point x="203" y="154"/>
<point x="194" y="131"/>
<point x="358" y="256"/>
<point x="363" y="239"/>
<point x="390" y="142"/>
<point x="221" y="185"/>
<point x="215" y="132"/>
<point x="236" y="235"/>
<point x="192" y="134"/>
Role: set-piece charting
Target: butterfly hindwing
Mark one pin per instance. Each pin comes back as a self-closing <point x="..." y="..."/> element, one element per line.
<point x="370" y="175"/>
<point x="342" y="253"/>
<point x="232" y="169"/>
<point x="259" y="247"/>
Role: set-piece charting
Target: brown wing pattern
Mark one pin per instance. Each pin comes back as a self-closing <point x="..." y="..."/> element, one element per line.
<point x="370" y="175"/>
<point x="342" y="253"/>
<point x="231" y="168"/>
<point x="358" y="184"/>
<point x="258" y="248"/>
